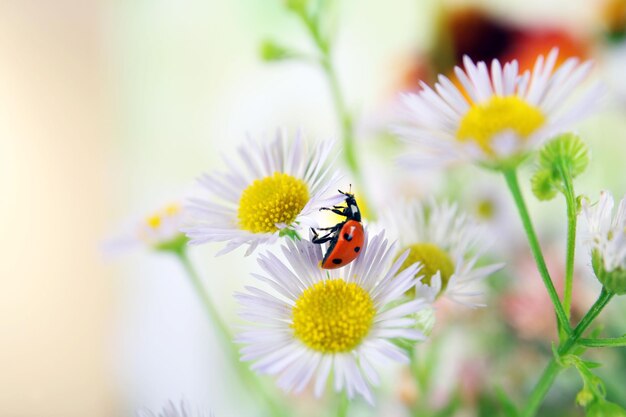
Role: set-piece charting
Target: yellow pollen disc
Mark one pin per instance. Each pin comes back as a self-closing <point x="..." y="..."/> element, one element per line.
<point x="333" y="316"/>
<point x="433" y="259"/>
<point x="275" y="199"/>
<point x="485" y="120"/>
<point x="172" y="209"/>
<point x="485" y="209"/>
<point x="154" y="221"/>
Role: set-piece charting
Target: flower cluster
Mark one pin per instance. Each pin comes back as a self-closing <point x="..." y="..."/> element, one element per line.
<point x="311" y="317"/>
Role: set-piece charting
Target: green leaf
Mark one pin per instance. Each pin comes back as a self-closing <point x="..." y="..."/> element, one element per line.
<point x="605" y="409"/>
<point x="507" y="404"/>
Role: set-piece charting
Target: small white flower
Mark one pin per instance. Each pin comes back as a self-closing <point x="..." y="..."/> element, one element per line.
<point x="606" y="233"/>
<point x="159" y="230"/>
<point x="446" y="243"/>
<point x="172" y="410"/>
<point x="498" y="113"/>
<point x="321" y="322"/>
<point x="280" y="185"/>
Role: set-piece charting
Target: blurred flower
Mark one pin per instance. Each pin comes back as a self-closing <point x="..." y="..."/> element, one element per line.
<point x="526" y="304"/>
<point x="159" y="230"/>
<point x="498" y="115"/>
<point x="606" y="237"/>
<point x="342" y="322"/>
<point x="477" y="32"/>
<point x="614" y="17"/>
<point x="446" y="243"/>
<point x="280" y="186"/>
<point x="171" y="410"/>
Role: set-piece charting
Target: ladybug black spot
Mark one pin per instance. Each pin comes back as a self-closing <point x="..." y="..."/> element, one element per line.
<point x="337" y="261"/>
<point x="357" y="249"/>
<point x="347" y="237"/>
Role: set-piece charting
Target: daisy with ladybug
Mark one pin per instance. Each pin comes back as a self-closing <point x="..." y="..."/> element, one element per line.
<point x="346" y="238"/>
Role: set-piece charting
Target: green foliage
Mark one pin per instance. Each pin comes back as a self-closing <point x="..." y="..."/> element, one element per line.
<point x="560" y="161"/>
<point x="290" y="233"/>
<point x="271" y="51"/>
<point x="177" y="244"/>
<point x="605" y="409"/>
<point x="542" y="184"/>
<point x="614" y="281"/>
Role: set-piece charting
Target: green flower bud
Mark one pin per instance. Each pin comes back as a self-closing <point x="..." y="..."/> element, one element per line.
<point x="271" y="51"/>
<point x="613" y="281"/>
<point x="566" y="150"/>
<point x="565" y="155"/>
<point x="543" y="185"/>
<point x="297" y="5"/>
<point x="585" y="397"/>
<point x="605" y="409"/>
<point x="425" y="320"/>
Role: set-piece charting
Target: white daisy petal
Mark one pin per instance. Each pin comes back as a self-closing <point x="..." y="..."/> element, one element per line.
<point x="604" y="232"/>
<point x="280" y="184"/>
<point x="508" y="115"/>
<point x="297" y="338"/>
<point x="444" y="242"/>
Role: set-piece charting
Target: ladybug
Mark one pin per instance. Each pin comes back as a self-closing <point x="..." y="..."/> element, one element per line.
<point x="346" y="238"/>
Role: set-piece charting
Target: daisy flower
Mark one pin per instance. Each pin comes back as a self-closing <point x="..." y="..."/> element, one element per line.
<point x="498" y="114"/>
<point x="606" y="238"/>
<point x="320" y="322"/>
<point x="159" y="230"/>
<point x="277" y="187"/>
<point x="172" y="410"/>
<point x="446" y="243"/>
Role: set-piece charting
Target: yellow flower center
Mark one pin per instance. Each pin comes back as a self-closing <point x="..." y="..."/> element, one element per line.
<point x="433" y="259"/>
<point x="333" y="316"/>
<point x="155" y="220"/>
<point x="485" y="209"/>
<point x="485" y="120"/>
<point x="275" y="199"/>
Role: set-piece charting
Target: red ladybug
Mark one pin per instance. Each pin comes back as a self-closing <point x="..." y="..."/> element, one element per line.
<point x="346" y="238"/>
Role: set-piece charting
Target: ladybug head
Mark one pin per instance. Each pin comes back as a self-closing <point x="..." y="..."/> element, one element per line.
<point x="351" y="211"/>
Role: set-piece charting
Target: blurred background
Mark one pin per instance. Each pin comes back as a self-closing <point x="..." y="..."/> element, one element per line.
<point x="110" y="109"/>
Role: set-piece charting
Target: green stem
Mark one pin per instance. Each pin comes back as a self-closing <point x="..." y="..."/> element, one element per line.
<point x="247" y="377"/>
<point x="511" y="179"/>
<point x="345" y="117"/>
<point x="570" y="199"/>
<point x="214" y="317"/>
<point x="554" y="367"/>
<point x="609" y="342"/>
<point x="344" y="404"/>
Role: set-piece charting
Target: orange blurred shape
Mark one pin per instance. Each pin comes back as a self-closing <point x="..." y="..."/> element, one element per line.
<point x="528" y="45"/>
<point x="478" y="34"/>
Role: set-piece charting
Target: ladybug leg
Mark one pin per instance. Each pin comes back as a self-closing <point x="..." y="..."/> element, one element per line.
<point x="334" y="210"/>
<point x="326" y="237"/>
<point x="319" y="240"/>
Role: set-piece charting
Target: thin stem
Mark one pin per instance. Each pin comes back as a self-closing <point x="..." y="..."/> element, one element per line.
<point x="550" y="373"/>
<point x="570" y="200"/>
<point x="344" y="404"/>
<point x="511" y="179"/>
<point x="609" y="342"/>
<point x="214" y="316"/>
<point x="244" y="373"/>
<point x="349" y="150"/>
